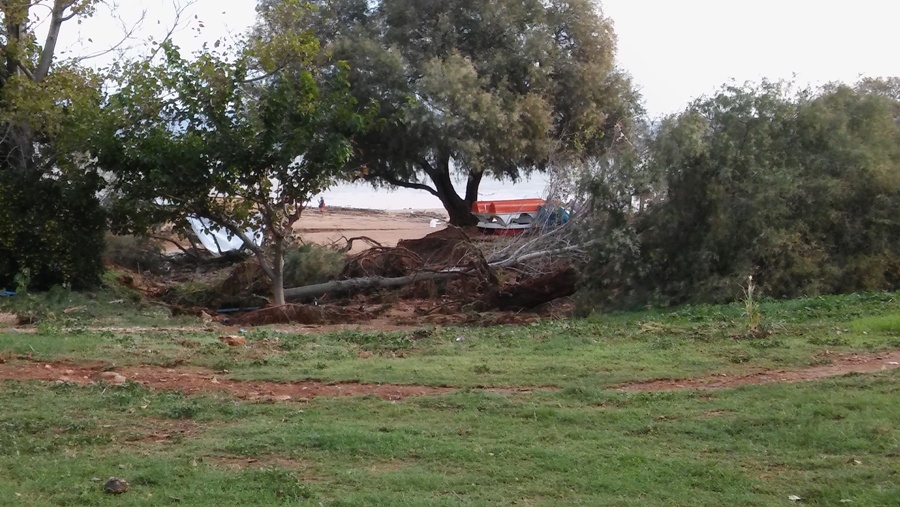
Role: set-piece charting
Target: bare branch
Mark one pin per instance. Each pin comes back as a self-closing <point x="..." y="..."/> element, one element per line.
<point x="540" y="253"/>
<point x="128" y="35"/>
<point x="390" y="180"/>
<point x="177" y="244"/>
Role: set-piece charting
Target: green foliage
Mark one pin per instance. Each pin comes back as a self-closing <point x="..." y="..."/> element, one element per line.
<point x="50" y="221"/>
<point x="252" y="140"/>
<point x="135" y="253"/>
<point x="478" y="89"/>
<point x="51" y="229"/>
<point x="801" y="190"/>
<point x="311" y="264"/>
<point x="249" y="149"/>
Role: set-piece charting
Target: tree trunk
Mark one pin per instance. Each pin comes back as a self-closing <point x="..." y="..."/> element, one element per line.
<point x="460" y="213"/>
<point x="459" y="209"/>
<point x="368" y="282"/>
<point x="278" y="272"/>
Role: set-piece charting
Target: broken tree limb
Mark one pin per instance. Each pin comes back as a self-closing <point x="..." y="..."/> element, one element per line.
<point x="512" y="261"/>
<point x="538" y="291"/>
<point x="349" y="245"/>
<point x="380" y="282"/>
<point x="364" y="283"/>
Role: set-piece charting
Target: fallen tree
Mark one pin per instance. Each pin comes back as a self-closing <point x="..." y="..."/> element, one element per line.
<point x="447" y="256"/>
<point x="310" y="292"/>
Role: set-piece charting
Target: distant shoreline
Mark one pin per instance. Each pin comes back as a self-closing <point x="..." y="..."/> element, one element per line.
<point x="438" y="213"/>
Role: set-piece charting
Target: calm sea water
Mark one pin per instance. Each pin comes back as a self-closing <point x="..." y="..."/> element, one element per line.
<point x="364" y="196"/>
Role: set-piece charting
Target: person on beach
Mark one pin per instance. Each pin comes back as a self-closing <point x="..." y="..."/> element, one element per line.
<point x="321" y="205"/>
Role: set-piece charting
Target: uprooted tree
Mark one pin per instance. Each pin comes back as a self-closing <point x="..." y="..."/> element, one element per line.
<point x="243" y="140"/>
<point x="468" y="89"/>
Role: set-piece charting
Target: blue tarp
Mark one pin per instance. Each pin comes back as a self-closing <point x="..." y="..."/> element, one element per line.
<point x="5" y="293"/>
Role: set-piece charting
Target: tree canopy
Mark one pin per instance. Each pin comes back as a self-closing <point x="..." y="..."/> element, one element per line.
<point x="47" y="188"/>
<point x="799" y="189"/>
<point x="472" y="89"/>
<point x="243" y="140"/>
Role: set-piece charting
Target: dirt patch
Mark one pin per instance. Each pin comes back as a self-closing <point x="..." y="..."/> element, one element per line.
<point x="8" y="319"/>
<point x="162" y="431"/>
<point x="865" y="363"/>
<point x="245" y="462"/>
<point x="196" y="380"/>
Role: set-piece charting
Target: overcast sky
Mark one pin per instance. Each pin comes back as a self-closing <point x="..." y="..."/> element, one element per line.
<point x="675" y="50"/>
<point x="678" y="50"/>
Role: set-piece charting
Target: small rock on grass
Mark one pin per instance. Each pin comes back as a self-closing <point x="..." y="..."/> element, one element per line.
<point x="113" y="378"/>
<point x="233" y="341"/>
<point x="114" y="485"/>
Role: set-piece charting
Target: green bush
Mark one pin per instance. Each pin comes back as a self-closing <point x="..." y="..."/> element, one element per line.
<point x="51" y="230"/>
<point x="135" y="253"/>
<point x="802" y="191"/>
<point x="311" y="264"/>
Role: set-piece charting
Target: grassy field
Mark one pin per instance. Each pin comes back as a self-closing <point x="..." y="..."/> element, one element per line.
<point x="572" y="439"/>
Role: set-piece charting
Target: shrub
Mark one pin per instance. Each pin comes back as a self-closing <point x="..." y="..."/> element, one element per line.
<point x="51" y="229"/>
<point x="311" y="264"/>
<point x="135" y="253"/>
<point x="801" y="191"/>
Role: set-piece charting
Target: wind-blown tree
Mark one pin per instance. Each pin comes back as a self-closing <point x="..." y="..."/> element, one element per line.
<point x="242" y="140"/>
<point x="468" y="89"/>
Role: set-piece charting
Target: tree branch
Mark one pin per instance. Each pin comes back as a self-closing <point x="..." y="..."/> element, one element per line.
<point x="390" y="180"/>
<point x="57" y="18"/>
<point x="248" y="243"/>
<point x="534" y="255"/>
<point x="369" y="282"/>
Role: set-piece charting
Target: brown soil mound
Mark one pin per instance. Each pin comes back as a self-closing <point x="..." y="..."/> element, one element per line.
<point x="304" y="314"/>
<point x="449" y="249"/>
<point x="869" y="363"/>
<point x="538" y="290"/>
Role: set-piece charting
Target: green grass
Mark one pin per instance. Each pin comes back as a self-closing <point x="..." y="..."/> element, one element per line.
<point x="600" y="351"/>
<point x="825" y="442"/>
<point x="581" y="444"/>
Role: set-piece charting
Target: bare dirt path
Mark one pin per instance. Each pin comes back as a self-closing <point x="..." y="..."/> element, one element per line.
<point x="862" y="363"/>
<point x="192" y="380"/>
<point x="197" y="380"/>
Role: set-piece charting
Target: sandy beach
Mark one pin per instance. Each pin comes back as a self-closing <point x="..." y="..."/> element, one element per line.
<point x="387" y="227"/>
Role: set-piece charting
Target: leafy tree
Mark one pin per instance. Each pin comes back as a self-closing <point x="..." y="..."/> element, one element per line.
<point x="242" y="140"/>
<point x="799" y="189"/>
<point x="52" y="225"/>
<point x="38" y="92"/>
<point x="470" y="89"/>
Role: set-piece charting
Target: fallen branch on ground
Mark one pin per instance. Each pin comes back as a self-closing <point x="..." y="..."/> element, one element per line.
<point x="364" y="283"/>
<point x="349" y="245"/>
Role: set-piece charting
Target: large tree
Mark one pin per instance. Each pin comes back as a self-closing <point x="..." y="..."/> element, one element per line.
<point x="47" y="197"/>
<point x="36" y="91"/>
<point x="799" y="189"/>
<point x="468" y="89"/>
<point x="241" y="139"/>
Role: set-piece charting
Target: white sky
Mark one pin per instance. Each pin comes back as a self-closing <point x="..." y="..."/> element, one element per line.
<point x="675" y="50"/>
<point x="679" y="50"/>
